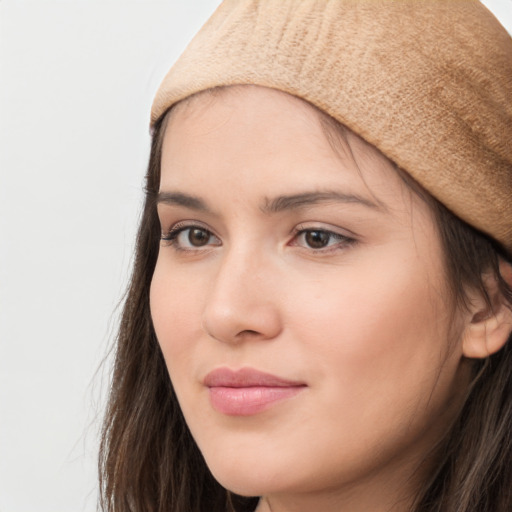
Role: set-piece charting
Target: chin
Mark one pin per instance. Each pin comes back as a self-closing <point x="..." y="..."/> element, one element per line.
<point x="240" y="483"/>
<point x="246" y="481"/>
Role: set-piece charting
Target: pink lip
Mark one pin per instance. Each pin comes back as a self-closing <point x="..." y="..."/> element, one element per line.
<point x="247" y="391"/>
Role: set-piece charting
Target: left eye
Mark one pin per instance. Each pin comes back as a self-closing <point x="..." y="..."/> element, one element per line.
<point x="320" y="239"/>
<point x="191" y="237"/>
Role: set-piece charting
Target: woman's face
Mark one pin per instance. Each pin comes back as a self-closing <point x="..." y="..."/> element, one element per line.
<point x="300" y="302"/>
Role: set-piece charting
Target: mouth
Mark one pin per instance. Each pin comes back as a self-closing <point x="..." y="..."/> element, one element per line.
<point x="247" y="391"/>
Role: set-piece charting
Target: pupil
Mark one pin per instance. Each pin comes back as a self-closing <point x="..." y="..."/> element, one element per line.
<point x="317" y="239"/>
<point x="198" y="237"/>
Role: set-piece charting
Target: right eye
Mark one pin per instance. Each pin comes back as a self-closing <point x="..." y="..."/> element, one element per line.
<point x="189" y="238"/>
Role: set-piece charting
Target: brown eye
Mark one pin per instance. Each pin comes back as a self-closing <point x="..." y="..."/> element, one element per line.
<point x="322" y="240"/>
<point x="317" y="239"/>
<point x="189" y="238"/>
<point x="198" y="237"/>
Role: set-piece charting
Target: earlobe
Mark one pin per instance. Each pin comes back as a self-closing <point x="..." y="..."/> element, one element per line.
<point x="488" y="331"/>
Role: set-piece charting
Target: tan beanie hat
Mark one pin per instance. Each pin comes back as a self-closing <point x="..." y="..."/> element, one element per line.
<point x="428" y="82"/>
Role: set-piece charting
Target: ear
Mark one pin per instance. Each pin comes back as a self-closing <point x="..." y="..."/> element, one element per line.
<point x="489" y="330"/>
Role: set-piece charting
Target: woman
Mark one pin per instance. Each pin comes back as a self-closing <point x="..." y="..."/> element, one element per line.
<point x="320" y="310"/>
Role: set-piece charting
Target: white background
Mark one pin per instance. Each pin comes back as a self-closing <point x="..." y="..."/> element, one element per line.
<point x="76" y="82"/>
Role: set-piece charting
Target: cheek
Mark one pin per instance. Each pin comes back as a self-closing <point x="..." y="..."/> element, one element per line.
<point x="381" y="333"/>
<point x="378" y="355"/>
<point x="174" y="303"/>
<point x="370" y="309"/>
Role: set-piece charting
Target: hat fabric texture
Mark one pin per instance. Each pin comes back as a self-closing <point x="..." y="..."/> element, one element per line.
<point x="429" y="83"/>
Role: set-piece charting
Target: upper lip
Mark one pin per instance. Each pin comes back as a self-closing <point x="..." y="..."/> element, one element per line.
<point x="246" y="377"/>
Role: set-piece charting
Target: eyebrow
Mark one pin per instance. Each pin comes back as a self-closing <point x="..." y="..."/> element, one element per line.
<point x="180" y="199"/>
<point x="297" y="201"/>
<point x="275" y="205"/>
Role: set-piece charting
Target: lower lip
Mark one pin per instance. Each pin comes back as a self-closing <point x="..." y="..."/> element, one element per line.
<point x="250" y="400"/>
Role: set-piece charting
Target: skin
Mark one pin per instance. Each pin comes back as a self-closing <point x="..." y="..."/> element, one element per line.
<point x="364" y="322"/>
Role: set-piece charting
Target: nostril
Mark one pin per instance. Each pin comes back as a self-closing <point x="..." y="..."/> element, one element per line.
<point x="249" y="332"/>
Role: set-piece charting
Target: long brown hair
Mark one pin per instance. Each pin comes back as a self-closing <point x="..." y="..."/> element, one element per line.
<point x="150" y="463"/>
<point x="475" y="473"/>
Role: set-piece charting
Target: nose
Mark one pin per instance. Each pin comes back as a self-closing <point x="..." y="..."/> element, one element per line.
<point x="241" y="302"/>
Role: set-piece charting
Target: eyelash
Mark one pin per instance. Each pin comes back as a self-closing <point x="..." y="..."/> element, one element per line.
<point x="171" y="237"/>
<point x="342" y="241"/>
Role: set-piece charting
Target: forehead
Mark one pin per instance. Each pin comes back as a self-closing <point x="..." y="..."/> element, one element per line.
<point x="245" y="110"/>
<point x="256" y="131"/>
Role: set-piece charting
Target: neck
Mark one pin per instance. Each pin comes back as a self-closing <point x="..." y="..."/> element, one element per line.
<point x="394" y="492"/>
<point x="333" y="503"/>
